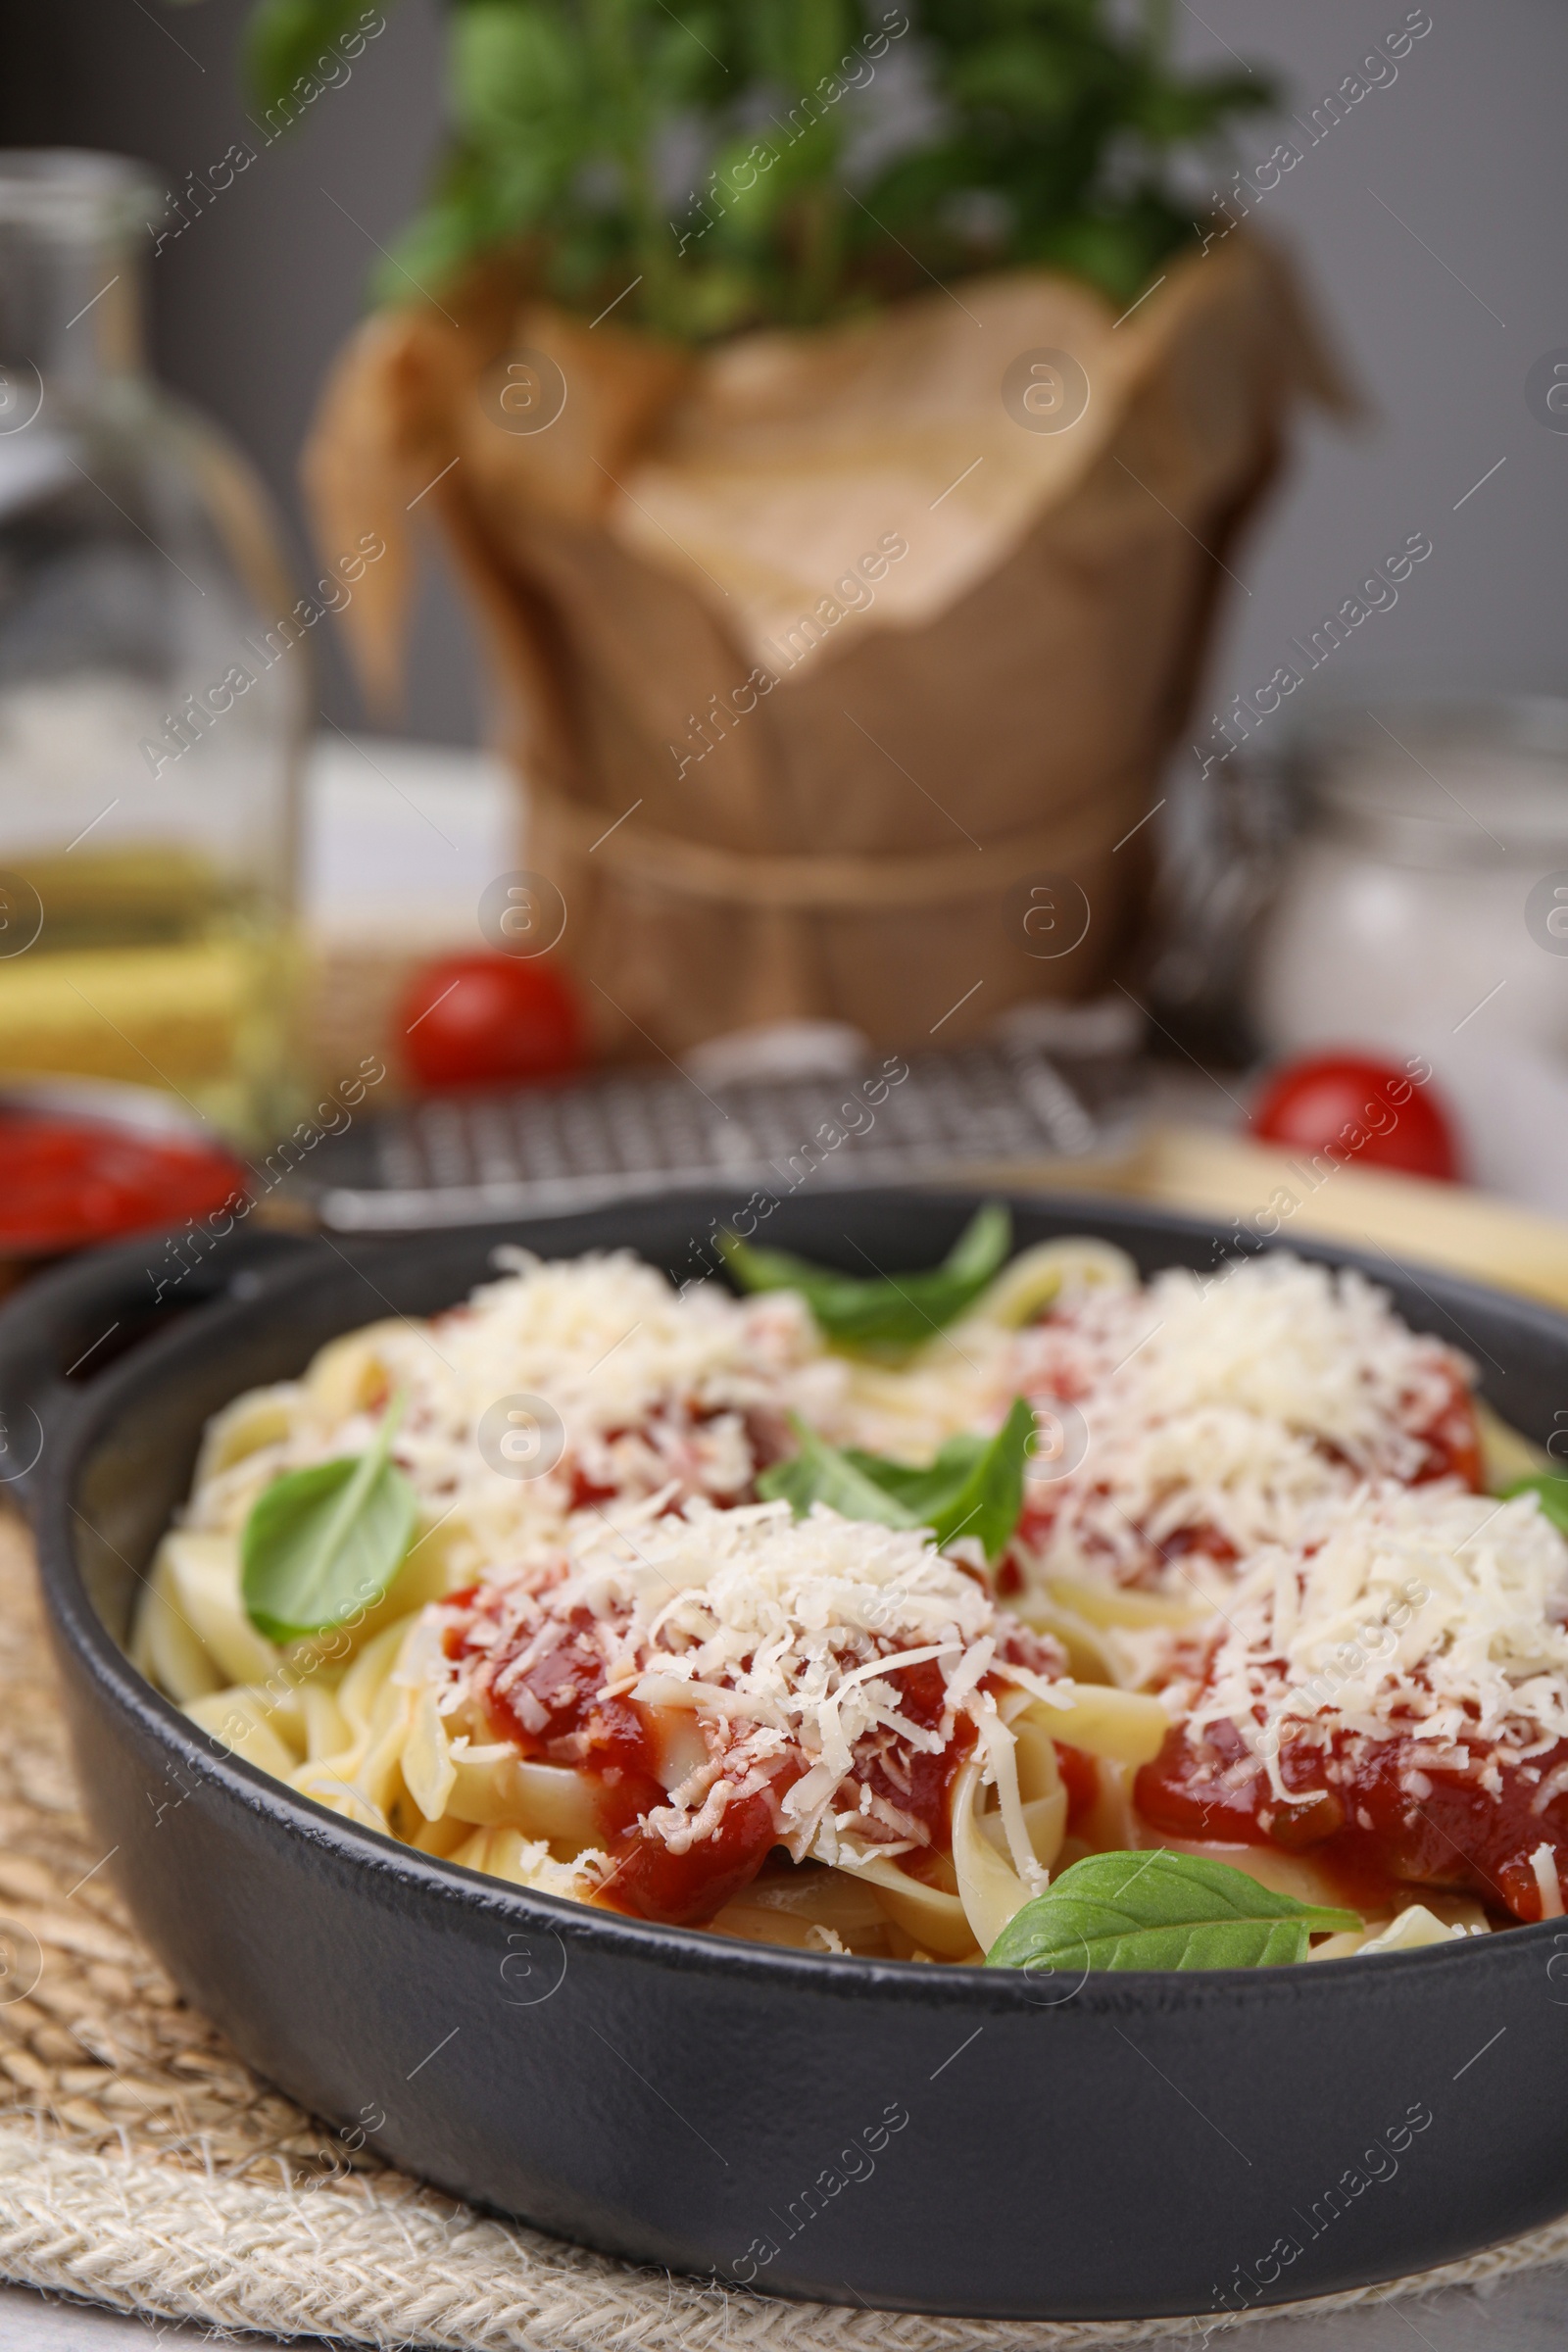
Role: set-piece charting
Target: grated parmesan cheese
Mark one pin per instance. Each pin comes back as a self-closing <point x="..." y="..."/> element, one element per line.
<point x="780" y="1637"/>
<point x="1225" y="1410"/>
<point x="1424" y="1612"/>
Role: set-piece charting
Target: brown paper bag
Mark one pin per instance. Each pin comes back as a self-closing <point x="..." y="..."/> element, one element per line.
<point x="838" y="666"/>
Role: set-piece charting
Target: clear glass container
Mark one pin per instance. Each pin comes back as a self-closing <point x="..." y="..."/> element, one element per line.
<point x="1423" y="909"/>
<point x="154" y="688"/>
<point x="1406" y="900"/>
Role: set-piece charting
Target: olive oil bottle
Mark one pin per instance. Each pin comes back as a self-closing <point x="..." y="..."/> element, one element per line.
<point x="152" y="706"/>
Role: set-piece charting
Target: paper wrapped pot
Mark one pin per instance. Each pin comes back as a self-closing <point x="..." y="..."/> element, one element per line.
<point x="833" y="661"/>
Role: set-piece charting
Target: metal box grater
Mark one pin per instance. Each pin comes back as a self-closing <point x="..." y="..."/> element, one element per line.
<point x="531" y="1150"/>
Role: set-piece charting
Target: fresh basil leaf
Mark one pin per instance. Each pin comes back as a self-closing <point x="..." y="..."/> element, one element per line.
<point x="1552" y="1491"/>
<point x="883" y="1315"/>
<point x="1160" y="1909"/>
<point x="973" y="1487"/>
<point x="323" y="1541"/>
<point x="821" y="1473"/>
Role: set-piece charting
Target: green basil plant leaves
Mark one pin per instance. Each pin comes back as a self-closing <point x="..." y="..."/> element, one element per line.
<point x="883" y="1315"/>
<point x="324" y="1541"/>
<point x="1158" y="1909"/>
<point x="1075" y="123"/>
<point x="973" y="1487"/>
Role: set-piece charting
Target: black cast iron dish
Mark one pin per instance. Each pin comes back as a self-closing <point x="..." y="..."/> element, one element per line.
<point x="941" y="2140"/>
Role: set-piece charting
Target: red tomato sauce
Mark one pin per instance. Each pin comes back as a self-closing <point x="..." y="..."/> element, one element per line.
<point x="1453" y="1440"/>
<point x="671" y="1433"/>
<point x="1080" y="1777"/>
<point x="614" y="1740"/>
<point x="68" y="1182"/>
<point x="1357" y="1817"/>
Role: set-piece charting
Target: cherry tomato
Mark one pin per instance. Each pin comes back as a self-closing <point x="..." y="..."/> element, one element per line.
<point x="1359" y="1113"/>
<point x="482" y="1020"/>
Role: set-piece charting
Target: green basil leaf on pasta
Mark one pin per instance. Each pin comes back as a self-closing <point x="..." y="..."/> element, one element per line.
<point x="1552" y="1491"/>
<point x="975" y="1487"/>
<point x="821" y="1473"/>
<point x="1158" y="1909"/>
<point x="883" y="1315"/>
<point x="324" y="1541"/>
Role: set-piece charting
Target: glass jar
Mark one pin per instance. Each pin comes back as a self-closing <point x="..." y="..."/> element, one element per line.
<point x="153" y="698"/>
<point x="1423" y="909"/>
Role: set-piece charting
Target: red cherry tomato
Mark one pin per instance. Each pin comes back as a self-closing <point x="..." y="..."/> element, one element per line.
<point x="1360" y="1114"/>
<point x="482" y="1020"/>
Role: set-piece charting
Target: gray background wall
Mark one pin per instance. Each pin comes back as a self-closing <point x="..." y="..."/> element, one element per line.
<point x="1431" y="222"/>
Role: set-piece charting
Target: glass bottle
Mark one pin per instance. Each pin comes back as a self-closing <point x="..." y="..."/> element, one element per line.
<point x="153" y="695"/>
<point x="1423" y="911"/>
<point x="1420" y="891"/>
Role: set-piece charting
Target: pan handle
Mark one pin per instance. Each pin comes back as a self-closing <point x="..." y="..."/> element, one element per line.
<point x="60" y="1329"/>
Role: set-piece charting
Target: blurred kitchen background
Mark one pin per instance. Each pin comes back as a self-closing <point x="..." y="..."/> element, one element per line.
<point x="1425" y="221"/>
<point x="1430" y="223"/>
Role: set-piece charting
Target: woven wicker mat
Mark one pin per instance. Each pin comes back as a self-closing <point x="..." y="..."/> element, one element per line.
<point x="143" y="2165"/>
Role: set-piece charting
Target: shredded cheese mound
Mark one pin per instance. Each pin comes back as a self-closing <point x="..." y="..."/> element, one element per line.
<point x="1425" y="1612"/>
<point x="640" y="1385"/>
<point x="1225" y="1409"/>
<point x="778" y="1638"/>
<point x="608" y="1339"/>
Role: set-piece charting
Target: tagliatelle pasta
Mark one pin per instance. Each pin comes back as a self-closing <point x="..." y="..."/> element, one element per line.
<point x="605" y="1670"/>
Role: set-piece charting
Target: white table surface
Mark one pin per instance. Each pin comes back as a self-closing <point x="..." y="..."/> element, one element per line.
<point x="398" y="840"/>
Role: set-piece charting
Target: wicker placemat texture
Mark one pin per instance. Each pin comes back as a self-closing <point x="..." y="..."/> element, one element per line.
<point x="102" y="2050"/>
<point x="144" y="2165"/>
